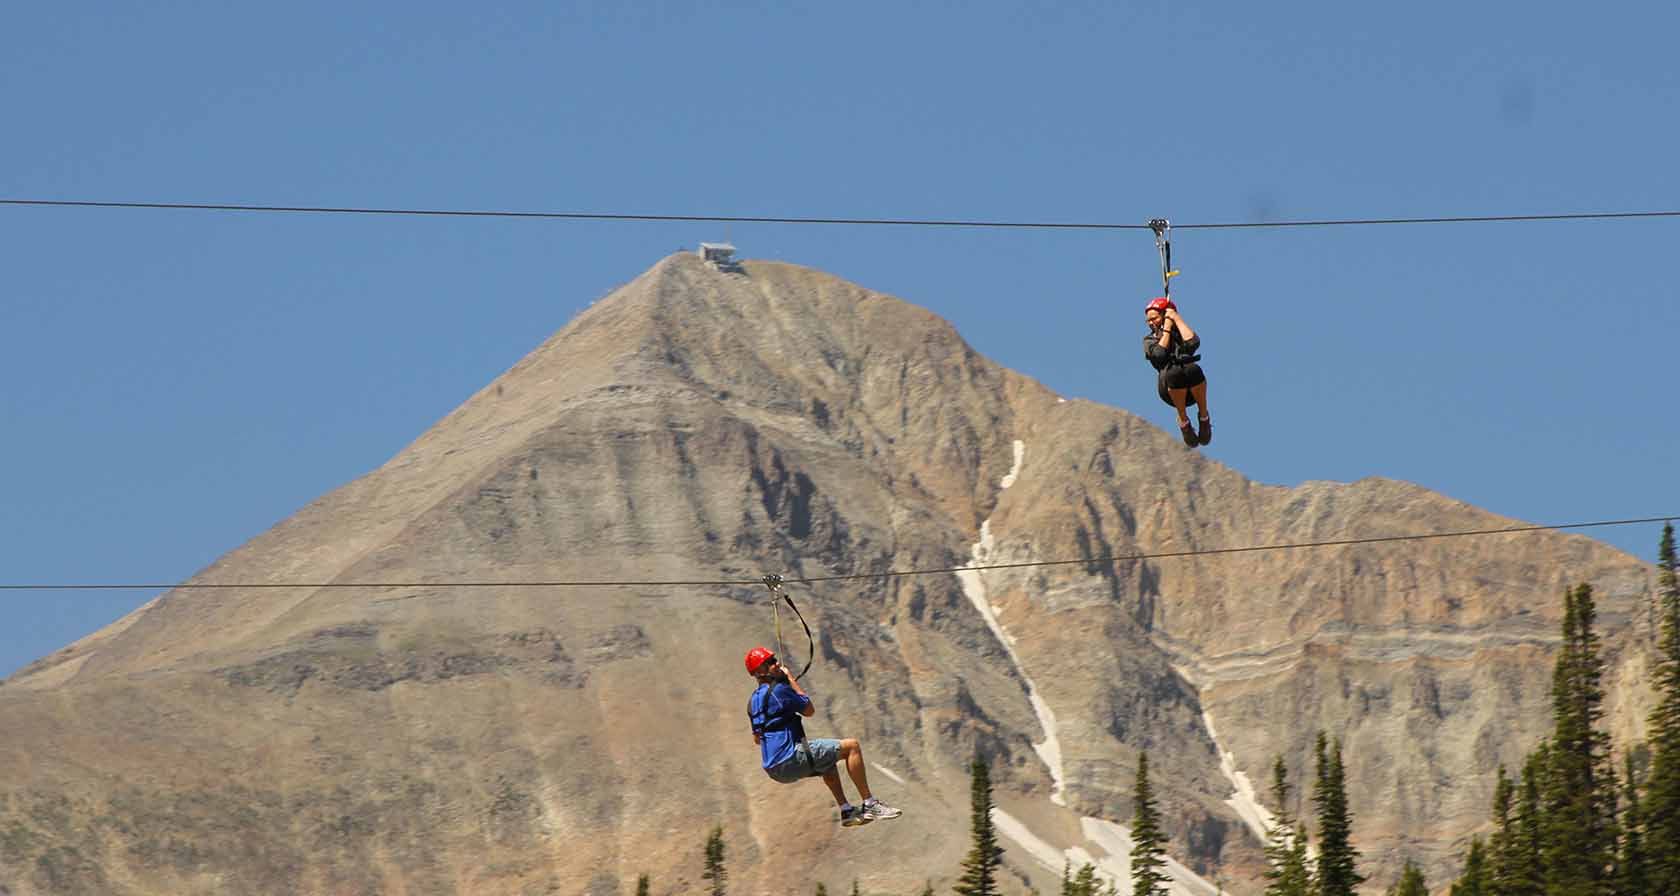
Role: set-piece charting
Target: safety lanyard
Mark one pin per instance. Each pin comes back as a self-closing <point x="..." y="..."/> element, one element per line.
<point x="1163" y="245"/>
<point x="777" y="597"/>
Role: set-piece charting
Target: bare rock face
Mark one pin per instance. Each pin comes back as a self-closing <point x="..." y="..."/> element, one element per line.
<point x="699" y="425"/>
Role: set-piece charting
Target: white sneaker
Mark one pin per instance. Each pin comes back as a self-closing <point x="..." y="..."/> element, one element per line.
<point x="875" y="809"/>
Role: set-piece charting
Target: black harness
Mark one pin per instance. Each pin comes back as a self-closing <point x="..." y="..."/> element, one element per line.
<point x="1179" y="353"/>
<point x="758" y="713"/>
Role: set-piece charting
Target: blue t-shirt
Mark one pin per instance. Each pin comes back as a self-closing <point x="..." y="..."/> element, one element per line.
<point x="774" y="712"/>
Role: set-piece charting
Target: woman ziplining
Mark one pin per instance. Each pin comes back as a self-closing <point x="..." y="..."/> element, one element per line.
<point x="1171" y="348"/>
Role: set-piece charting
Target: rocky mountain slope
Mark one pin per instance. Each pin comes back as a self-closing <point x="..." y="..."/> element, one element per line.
<point x="698" y="425"/>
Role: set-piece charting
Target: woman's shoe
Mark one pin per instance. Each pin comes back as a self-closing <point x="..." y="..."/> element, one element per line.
<point x="1206" y="435"/>
<point x="1188" y="432"/>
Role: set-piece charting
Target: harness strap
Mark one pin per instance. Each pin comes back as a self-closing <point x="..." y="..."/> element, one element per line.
<point x="776" y="614"/>
<point x="777" y="596"/>
<point x="758" y="712"/>
<point x="753" y="715"/>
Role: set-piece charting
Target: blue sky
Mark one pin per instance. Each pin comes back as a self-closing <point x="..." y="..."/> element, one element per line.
<point x="180" y="381"/>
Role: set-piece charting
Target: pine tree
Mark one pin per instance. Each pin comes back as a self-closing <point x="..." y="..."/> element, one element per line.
<point x="1338" y="874"/>
<point x="1286" y="844"/>
<point x="1411" y="880"/>
<point x="1577" y="830"/>
<point x="1509" y="865"/>
<point x="643" y="885"/>
<point x="821" y="890"/>
<point x="1299" y="878"/>
<point x="1278" y="836"/>
<point x="1083" y="882"/>
<point x="855" y="887"/>
<point x="928" y="890"/>
<point x="1661" y="807"/>
<point x="1633" y="874"/>
<point x="980" y="867"/>
<point x="715" y="871"/>
<point x="1610" y="787"/>
<point x="1474" y="881"/>
<point x="1504" y="854"/>
<point x="1148" y="841"/>
<point x="1529" y="876"/>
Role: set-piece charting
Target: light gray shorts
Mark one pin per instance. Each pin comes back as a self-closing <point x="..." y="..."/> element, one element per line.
<point x="823" y="754"/>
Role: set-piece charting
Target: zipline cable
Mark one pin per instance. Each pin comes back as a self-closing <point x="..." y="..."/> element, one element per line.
<point x="730" y="583"/>
<point x="759" y="219"/>
<point x="1340" y="542"/>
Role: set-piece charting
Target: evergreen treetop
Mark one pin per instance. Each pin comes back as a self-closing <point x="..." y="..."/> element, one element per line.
<point x="1338" y="874"/>
<point x="1507" y="858"/>
<point x="979" y="874"/>
<point x="1287" y="869"/>
<point x="1148" y="840"/>
<point x="1530" y="874"/>
<point x="1083" y="882"/>
<point x="1411" y="881"/>
<point x="1475" y="880"/>
<point x="1578" y="841"/>
<point x="715" y="872"/>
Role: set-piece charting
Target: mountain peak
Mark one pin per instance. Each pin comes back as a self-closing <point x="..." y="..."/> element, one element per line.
<point x="704" y="425"/>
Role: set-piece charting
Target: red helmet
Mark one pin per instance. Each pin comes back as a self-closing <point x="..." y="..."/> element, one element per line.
<point x="1161" y="304"/>
<point x="756" y="658"/>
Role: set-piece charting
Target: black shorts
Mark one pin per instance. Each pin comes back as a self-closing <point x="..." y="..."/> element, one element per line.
<point x="1179" y="376"/>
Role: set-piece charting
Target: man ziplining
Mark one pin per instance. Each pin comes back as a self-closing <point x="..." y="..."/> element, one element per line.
<point x="776" y="710"/>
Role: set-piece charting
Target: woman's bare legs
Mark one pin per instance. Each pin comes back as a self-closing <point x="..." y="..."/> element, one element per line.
<point x="1199" y="392"/>
<point x="1179" y="397"/>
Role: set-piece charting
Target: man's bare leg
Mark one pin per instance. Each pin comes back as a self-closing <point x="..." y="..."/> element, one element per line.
<point x="832" y="779"/>
<point x="852" y="752"/>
